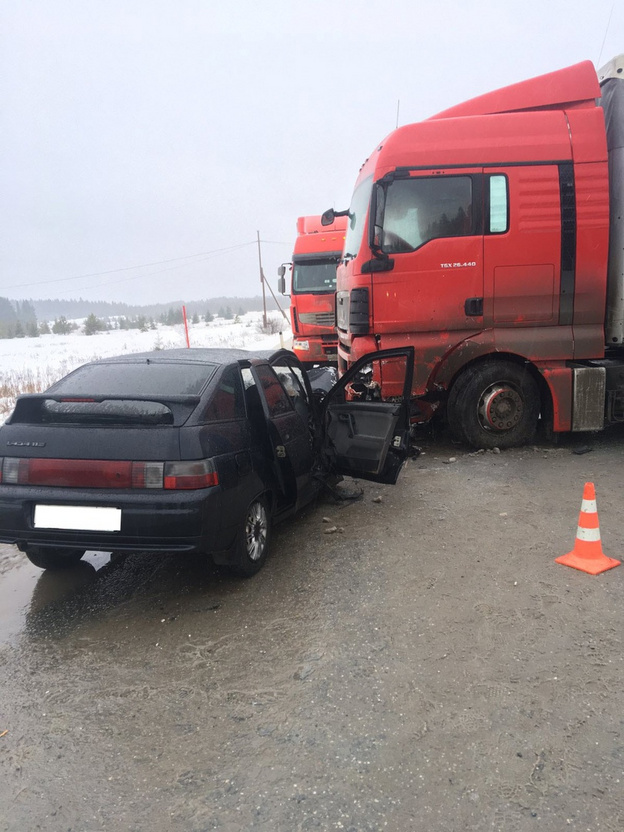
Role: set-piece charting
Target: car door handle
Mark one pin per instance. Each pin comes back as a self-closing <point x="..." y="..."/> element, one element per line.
<point x="348" y="418"/>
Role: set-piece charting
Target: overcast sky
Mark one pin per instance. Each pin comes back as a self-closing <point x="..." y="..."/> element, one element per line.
<point x="169" y="132"/>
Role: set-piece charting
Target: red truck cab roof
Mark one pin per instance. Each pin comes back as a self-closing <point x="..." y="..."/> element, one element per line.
<point x="314" y="238"/>
<point x="567" y="88"/>
<point x="541" y="118"/>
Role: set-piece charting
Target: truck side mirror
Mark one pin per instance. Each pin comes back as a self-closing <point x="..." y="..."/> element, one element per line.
<point x="281" y="280"/>
<point x="328" y="217"/>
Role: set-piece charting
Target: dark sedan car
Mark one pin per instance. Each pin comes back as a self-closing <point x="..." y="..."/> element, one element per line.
<point x="194" y="450"/>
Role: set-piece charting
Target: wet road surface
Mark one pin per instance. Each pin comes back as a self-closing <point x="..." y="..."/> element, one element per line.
<point x="427" y="667"/>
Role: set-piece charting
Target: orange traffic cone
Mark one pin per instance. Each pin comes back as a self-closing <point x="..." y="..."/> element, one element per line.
<point x="587" y="554"/>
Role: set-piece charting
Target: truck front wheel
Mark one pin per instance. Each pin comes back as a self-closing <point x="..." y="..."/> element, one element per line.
<point x="494" y="405"/>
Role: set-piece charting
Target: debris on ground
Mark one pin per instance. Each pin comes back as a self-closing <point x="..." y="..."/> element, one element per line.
<point x="343" y="492"/>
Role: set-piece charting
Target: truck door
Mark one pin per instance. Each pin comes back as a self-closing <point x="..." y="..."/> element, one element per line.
<point x="364" y="436"/>
<point x="429" y="224"/>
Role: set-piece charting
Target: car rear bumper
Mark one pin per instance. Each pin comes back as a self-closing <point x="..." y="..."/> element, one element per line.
<point x="184" y="521"/>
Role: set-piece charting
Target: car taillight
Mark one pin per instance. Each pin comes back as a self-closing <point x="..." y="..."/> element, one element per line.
<point x="104" y="473"/>
<point x="200" y="473"/>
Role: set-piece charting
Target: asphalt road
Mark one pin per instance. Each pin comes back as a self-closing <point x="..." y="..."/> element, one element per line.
<point x="425" y="666"/>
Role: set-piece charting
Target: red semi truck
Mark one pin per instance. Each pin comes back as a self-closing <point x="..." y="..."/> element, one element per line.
<point x="313" y="288"/>
<point x="491" y="238"/>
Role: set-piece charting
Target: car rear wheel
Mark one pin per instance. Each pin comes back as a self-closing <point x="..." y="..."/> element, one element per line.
<point x="51" y="558"/>
<point x="252" y="544"/>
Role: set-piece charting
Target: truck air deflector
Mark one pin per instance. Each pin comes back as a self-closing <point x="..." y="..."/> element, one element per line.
<point x="403" y="172"/>
<point x="568" y="243"/>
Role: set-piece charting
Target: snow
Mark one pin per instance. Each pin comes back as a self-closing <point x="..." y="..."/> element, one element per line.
<point x="28" y="365"/>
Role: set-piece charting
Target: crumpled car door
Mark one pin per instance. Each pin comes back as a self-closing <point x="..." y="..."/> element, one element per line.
<point x="364" y="435"/>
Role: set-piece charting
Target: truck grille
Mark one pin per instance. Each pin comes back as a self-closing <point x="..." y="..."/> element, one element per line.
<point x="317" y="318"/>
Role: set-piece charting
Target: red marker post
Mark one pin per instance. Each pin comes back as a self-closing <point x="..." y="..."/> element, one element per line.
<point x="188" y="343"/>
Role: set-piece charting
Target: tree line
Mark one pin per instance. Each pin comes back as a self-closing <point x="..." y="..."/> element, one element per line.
<point x="18" y="319"/>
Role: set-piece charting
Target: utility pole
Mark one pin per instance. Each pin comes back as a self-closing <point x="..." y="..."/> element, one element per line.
<point x="264" y="315"/>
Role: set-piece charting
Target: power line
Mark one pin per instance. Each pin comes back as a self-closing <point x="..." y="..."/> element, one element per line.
<point x="160" y="271"/>
<point x="605" y="36"/>
<point x="205" y="255"/>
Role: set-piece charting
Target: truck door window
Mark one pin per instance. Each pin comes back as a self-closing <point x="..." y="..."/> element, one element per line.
<point x="420" y="209"/>
<point x="499" y="204"/>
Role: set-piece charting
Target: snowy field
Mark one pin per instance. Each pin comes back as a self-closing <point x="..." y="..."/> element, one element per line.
<point x="31" y="364"/>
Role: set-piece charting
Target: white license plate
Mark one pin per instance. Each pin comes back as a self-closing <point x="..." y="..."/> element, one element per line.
<point x="78" y="518"/>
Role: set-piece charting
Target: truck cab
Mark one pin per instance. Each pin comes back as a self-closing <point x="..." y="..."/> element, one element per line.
<point x="312" y="289"/>
<point x="481" y="238"/>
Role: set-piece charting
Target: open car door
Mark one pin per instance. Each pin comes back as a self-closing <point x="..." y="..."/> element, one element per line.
<point x="364" y="436"/>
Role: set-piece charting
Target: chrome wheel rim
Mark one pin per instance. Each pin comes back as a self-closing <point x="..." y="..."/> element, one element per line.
<point x="256" y="528"/>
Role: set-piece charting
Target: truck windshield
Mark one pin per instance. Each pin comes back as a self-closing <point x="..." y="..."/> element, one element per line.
<point x="357" y="217"/>
<point x="315" y="276"/>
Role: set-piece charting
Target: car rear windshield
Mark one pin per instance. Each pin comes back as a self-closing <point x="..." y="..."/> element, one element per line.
<point x="147" y="378"/>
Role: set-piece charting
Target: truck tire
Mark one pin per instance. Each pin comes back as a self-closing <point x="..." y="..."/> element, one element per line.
<point x="252" y="541"/>
<point x="53" y="558"/>
<point x="494" y="405"/>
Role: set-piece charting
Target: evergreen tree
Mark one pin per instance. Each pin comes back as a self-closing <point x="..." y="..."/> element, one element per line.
<point x="7" y="312"/>
<point x="93" y="325"/>
<point x="61" y="326"/>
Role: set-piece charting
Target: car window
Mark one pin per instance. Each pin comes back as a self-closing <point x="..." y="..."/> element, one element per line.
<point x="292" y="382"/>
<point x="274" y="394"/>
<point x="226" y="402"/>
<point x="145" y="378"/>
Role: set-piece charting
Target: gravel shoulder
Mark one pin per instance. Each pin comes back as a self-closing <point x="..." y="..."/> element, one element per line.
<point x="424" y="666"/>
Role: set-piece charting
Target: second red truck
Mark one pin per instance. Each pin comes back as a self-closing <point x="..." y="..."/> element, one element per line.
<point x="312" y="291"/>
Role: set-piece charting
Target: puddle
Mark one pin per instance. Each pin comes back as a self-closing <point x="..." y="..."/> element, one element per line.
<point x="25" y="588"/>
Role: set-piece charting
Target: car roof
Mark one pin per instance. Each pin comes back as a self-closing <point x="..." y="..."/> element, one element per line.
<point x="199" y="355"/>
